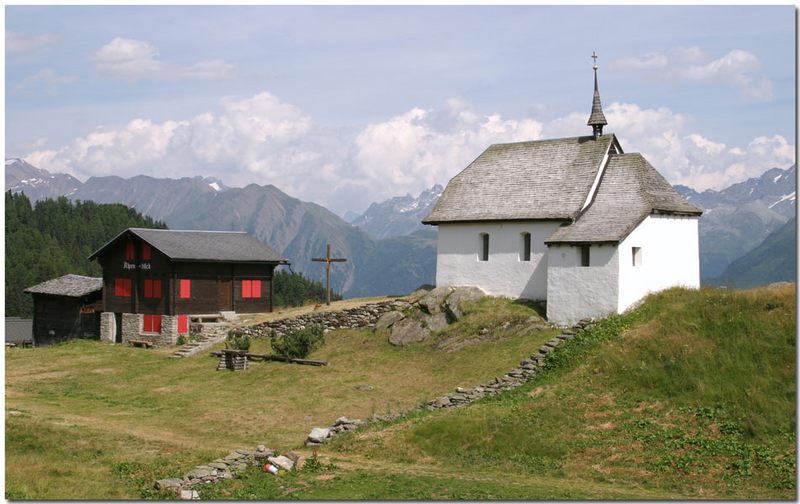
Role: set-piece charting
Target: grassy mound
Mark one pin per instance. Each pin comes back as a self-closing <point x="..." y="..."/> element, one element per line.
<point x="692" y="396"/>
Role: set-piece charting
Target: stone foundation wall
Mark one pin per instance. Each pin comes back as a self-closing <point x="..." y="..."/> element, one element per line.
<point x="108" y="327"/>
<point x="132" y="324"/>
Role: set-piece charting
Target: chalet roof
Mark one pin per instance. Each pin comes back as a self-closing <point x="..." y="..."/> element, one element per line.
<point x="68" y="286"/>
<point x="543" y="179"/>
<point x="630" y="190"/>
<point x="215" y="246"/>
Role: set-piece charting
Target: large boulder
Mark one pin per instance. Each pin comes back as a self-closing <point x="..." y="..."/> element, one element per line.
<point x="284" y="463"/>
<point x="432" y="302"/>
<point x="435" y="322"/>
<point x="454" y="301"/>
<point x="407" y="331"/>
<point x="388" y="319"/>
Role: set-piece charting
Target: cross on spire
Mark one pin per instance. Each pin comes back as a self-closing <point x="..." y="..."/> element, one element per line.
<point x="328" y="260"/>
<point x="596" y="119"/>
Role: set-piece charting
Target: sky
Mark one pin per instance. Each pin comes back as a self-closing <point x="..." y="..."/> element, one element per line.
<point x="348" y="105"/>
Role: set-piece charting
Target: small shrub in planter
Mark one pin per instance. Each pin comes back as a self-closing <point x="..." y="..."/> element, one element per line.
<point x="298" y="344"/>
<point x="237" y="341"/>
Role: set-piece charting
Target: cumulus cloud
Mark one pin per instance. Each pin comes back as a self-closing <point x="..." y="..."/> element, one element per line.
<point x="735" y="69"/>
<point x="264" y="140"/>
<point x="129" y="59"/>
<point x="21" y="42"/>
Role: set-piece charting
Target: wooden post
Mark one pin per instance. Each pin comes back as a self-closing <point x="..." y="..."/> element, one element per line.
<point x="328" y="260"/>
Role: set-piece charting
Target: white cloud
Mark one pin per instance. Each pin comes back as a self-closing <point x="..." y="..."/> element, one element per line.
<point x="129" y="59"/>
<point x="264" y="140"/>
<point x="734" y="69"/>
<point x="21" y="42"/>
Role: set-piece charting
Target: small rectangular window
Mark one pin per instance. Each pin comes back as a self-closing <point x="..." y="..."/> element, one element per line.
<point x="484" y="255"/>
<point x="584" y="255"/>
<point x="183" y="324"/>
<point x="526" y="246"/>
<point x="146" y="252"/>
<point x="636" y="255"/>
<point x="122" y="287"/>
<point x="251" y="289"/>
<point x="152" y="288"/>
<point x="151" y="323"/>
<point x="130" y="251"/>
<point x="186" y="289"/>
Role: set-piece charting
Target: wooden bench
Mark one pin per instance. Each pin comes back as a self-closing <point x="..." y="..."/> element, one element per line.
<point x="140" y="343"/>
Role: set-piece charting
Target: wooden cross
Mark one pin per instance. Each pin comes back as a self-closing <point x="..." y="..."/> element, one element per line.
<point x="328" y="260"/>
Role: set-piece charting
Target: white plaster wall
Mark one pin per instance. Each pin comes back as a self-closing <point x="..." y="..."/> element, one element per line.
<point x="574" y="291"/>
<point x="670" y="257"/>
<point x="504" y="274"/>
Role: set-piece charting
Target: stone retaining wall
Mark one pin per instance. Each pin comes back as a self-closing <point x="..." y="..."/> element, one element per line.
<point x="360" y="316"/>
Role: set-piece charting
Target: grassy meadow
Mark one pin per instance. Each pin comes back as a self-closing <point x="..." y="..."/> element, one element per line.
<point x="88" y="420"/>
<point x="691" y="396"/>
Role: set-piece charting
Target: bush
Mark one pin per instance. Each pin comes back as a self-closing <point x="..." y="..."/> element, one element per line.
<point x="298" y="344"/>
<point x="237" y="341"/>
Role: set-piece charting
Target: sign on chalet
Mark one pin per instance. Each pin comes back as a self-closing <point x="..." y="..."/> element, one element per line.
<point x="154" y="279"/>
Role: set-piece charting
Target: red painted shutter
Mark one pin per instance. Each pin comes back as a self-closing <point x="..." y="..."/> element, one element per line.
<point x="157" y="289"/>
<point x="247" y="289"/>
<point x="256" y="288"/>
<point x="128" y="287"/>
<point x="186" y="289"/>
<point x="119" y="287"/>
<point x="156" y="323"/>
<point x="146" y="324"/>
<point x="148" y="288"/>
<point x="183" y="324"/>
<point x="129" y="251"/>
<point x="146" y="252"/>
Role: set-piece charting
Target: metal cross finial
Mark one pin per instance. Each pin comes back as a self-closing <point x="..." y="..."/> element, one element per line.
<point x="594" y="57"/>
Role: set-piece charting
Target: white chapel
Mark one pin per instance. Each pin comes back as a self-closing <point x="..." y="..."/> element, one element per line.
<point x="573" y="221"/>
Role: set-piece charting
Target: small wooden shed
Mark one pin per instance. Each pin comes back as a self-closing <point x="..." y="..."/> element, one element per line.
<point x="66" y="307"/>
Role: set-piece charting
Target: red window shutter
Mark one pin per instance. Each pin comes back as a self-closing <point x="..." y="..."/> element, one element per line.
<point x="146" y="323"/>
<point x="247" y="289"/>
<point x="128" y="287"/>
<point x="186" y="289"/>
<point x="119" y="287"/>
<point x="256" y="288"/>
<point x="157" y="289"/>
<point x="146" y="252"/>
<point x="156" y="323"/>
<point x="129" y="251"/>
<point x="148" y="288"/>
<point x="183" y="324"/>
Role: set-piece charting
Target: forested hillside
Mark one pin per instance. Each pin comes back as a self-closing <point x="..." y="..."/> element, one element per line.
<point x="54" y="238"/>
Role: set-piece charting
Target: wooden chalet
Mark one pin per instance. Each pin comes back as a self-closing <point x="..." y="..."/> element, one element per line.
<point x="157" y="273"/>
<point x="66" y="307"/>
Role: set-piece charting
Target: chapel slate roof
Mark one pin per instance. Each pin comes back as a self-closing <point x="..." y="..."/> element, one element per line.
<point x="542" y="179"/>
<point x="630" y="189"/>
<point x="68" y="285"/>
<point x="216" y="246"/>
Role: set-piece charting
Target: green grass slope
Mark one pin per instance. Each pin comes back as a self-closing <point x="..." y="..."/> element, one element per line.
<point x="691" y="396"/>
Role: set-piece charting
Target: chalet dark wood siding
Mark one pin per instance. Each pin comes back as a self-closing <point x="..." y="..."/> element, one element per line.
<point x="61" y="318"/>
<point x="209" y="285"/>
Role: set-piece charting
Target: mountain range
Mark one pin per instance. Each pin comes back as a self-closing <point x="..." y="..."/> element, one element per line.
<point x="386" y="247"/>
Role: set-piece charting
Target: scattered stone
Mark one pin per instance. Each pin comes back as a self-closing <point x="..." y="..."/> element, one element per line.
<point x="408" y="331"/>
<point x="218" y="465"/>
<point x="199" y="472"/>
<point x="365" y="387"/>
<point x="169" y="484"/>
<point x="293" y="456"/>
<point x="190" y="495"/>
<point x="386" y="321"/>
<point x="318" y="435"/>
<point x="284" y="463"/>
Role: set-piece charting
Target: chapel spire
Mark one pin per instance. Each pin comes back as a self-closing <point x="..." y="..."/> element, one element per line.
<point x="597" y="119"/>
